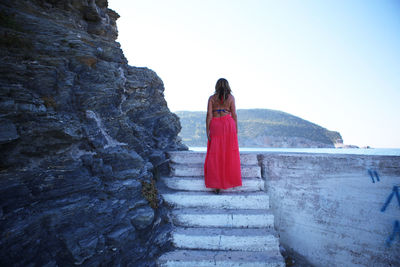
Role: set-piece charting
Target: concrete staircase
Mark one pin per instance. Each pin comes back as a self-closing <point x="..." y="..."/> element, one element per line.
<point x="234" y="228"/>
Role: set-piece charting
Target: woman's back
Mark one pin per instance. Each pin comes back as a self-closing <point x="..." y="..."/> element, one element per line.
<point x="221" y="108"/>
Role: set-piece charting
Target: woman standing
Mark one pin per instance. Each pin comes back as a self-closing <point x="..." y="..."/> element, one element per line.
<point x="222" y="164"/>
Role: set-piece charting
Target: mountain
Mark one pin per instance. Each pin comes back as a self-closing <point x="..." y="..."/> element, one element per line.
<point x="262" y="128"/>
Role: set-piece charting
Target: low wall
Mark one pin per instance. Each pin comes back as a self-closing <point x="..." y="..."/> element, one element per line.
<point x="328" y="209"/>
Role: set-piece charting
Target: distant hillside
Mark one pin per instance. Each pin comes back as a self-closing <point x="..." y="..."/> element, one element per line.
<point x="262" y="128"/>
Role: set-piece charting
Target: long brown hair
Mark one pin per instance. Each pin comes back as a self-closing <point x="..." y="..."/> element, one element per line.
<point x="222" y="89"/>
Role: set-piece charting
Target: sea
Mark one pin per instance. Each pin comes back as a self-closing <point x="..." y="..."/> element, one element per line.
<point x="353" y="151"/>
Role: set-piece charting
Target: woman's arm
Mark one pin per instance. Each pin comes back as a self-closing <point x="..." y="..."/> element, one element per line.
<point x="209" y="117"/>
<point x="232" y="108"/>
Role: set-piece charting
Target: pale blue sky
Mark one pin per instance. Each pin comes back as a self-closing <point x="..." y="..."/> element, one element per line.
<point x="334" y="63"/>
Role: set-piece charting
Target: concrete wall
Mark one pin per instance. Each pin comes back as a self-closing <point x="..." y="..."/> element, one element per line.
<point x="328" y="210"/>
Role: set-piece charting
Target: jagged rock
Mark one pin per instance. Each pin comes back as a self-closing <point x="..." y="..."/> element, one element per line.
<point x="80" y="132"/>
<point x="8" y="131"/>
<point x="143" y="217"/>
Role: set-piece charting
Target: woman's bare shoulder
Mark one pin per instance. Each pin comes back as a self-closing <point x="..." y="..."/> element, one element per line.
<point x="211" y="98"/>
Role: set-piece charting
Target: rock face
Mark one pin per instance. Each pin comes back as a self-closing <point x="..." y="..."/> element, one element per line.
<point x="82" y="135"/>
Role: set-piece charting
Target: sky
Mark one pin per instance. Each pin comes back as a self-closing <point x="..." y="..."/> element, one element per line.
<point x="335" y="63"/>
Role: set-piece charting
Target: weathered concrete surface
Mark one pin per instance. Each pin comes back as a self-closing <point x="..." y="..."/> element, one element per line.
<point x="328" y="210"/>
<point x="197" y="170"/>
<point x="223" y="218"/>
<point x="185" y="258"/>
<point x="234" y="228"/>
<point x="227" y="200"/>
<point x="225" y="239"/>
<point x="191" y="157"/>
<point x="197" y="184"/>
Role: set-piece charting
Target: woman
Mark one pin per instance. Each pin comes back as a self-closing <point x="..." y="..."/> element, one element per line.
<point x="222" y="164"/>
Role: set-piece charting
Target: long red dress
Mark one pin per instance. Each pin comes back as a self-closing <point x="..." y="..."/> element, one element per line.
<point x="222" y="164"/>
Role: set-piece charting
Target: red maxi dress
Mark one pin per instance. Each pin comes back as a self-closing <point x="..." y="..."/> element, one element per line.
<point x="222" y="164"/>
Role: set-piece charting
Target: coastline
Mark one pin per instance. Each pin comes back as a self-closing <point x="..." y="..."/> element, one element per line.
<point x="354" y="151"/>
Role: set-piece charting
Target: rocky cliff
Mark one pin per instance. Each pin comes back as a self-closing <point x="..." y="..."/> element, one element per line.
<point x="82" y="138"/>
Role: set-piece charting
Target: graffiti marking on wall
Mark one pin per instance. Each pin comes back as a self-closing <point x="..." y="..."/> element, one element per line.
<point x="395" y="192"/>
<point x="396" y="230"/>
<point x="372" y="174"/>
<point x="396" y="225"/>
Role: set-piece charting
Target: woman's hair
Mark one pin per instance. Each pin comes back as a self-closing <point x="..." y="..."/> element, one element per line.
<point x="222" y="89"/>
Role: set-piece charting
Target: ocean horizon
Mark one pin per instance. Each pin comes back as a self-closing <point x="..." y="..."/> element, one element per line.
<point x="354" y="151"/>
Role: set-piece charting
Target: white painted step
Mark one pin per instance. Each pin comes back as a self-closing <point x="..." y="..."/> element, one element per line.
<point x="190" y="157"/>
<point x="234" y="228"/>
<point x="225" y="239"/>
<point x="197" y="170"/>
<point x="225" y="200"/>
<point x="197" y="184"/>
<point x="204" y="217"/>
<point x="206" y="258"/>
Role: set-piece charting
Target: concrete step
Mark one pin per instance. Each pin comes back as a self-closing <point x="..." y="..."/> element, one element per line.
<point x="225" y="239"/>
<point x="225" y="200"/>
<point x="206" y="258"/>
<point x="197" y="184"/>
<point x="191" y="157"/>
<point x="197" y="170"/>
<point x="204" y="217"/>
